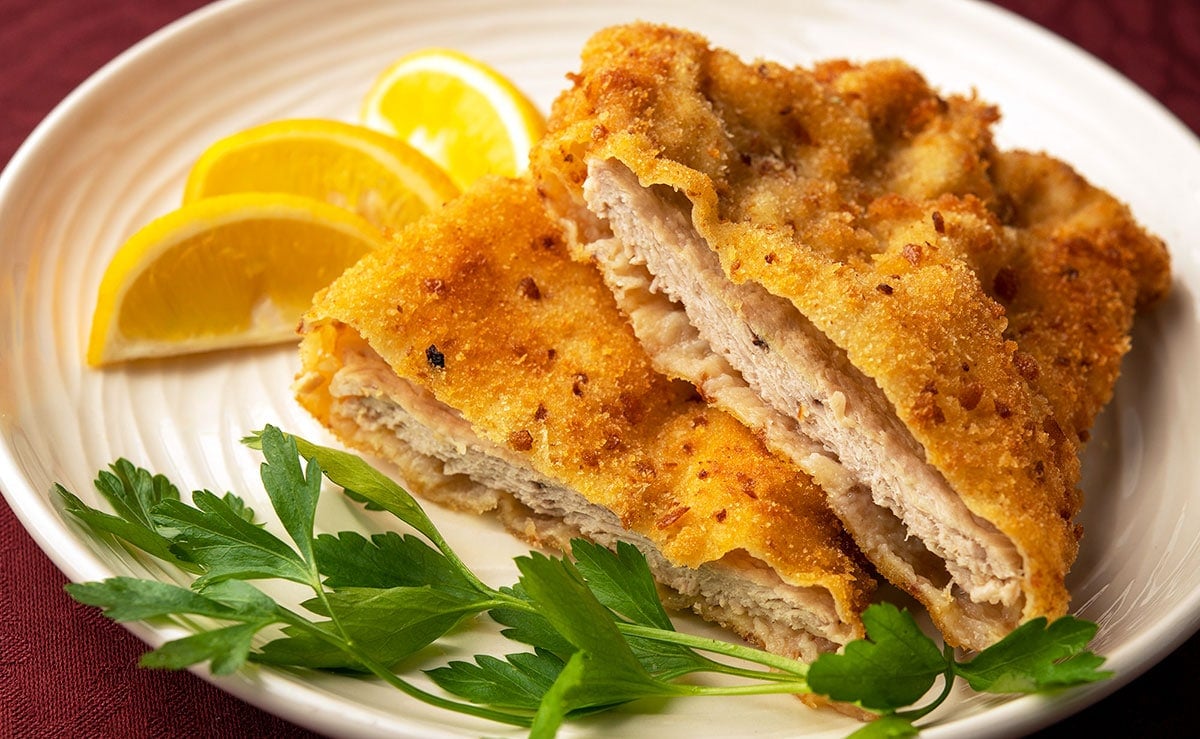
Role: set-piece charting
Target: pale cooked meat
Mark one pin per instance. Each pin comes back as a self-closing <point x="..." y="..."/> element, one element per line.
<point x="943" y="318"/>
<point x="1077" y="267"/>
<point x="499" y="374"/>
<point x="378" y="411"/>
<point x="875" y="459"/>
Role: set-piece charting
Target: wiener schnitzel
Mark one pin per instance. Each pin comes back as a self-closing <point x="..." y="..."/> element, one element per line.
<point x="498" y="374"/>
<point x="841" y="258"/>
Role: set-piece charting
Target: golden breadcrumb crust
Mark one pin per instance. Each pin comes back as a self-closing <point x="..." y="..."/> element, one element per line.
<point x="989" y="294"/>
<point x="481" y="306"/>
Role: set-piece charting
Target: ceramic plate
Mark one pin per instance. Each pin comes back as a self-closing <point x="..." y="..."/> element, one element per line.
<point x="116" y="152"/>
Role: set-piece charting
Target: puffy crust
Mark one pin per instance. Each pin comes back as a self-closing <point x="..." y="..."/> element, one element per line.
<point x="481" y="306"/>
<point x="1080" y="269"/>
<point x="988" y="294"/>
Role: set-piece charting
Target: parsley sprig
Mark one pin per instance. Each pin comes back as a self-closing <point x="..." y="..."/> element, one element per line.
<point x="594" y="633"/>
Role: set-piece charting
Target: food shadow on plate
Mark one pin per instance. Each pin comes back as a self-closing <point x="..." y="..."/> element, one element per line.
<point x="1136" y="510"/>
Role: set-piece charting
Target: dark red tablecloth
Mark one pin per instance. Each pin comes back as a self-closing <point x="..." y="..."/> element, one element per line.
<point x="67" y="672"/>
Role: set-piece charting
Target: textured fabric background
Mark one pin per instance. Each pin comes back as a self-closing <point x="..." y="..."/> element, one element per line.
<point x="67" y="672"/>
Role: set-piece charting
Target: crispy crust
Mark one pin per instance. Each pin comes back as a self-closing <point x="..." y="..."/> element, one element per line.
<point x="480" y="306"/>
<point x="988" y="294"/>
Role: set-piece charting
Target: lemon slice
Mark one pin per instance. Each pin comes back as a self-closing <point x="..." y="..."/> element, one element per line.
<point x="377" y="176"/>
<point x="228" y="271"/>
<point x="461" y="113"/>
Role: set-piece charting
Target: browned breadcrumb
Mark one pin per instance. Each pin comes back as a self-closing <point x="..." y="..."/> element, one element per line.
<point x="606" y="424"/>
<point x="989" y="294"/>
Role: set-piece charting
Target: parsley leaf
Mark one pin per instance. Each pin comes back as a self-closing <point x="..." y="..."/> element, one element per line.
<point x="612" y="674"/>
<point x="293" y="491"/>
<point x="394" y="623"/>
<point x="1036" y="656"/>
<point x="893" y="667"/>
<point x="133" y="533"/>
<point x="133" y="493"/>
<point x="214" y="534"/>
<point x="388" y="560"/>
<point x="527" y="626"/>
<point x="226" y="648"/>
<point x="388" y="624"/>
<point x="354" y="474"/>
<point x="518" y="681"/>
<point x="238" y="506"/>
<point x="247" y="599"/>
<point x="622" y="581"/>
<point x="890" y="726"/>
<point x="131" y="599"/>
<point x="600" y="634"/>
<point x="557" y="702"/>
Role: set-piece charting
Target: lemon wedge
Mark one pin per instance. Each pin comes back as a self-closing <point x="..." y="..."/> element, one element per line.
<point x="227" y="271"/>
<point x="461" y="113"/>
<point x="375" y="175"/>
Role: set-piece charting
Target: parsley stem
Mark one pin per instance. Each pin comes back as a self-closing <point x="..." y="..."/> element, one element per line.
<point x="790" y="666"/>
<point x="795" y="687"/>
<point x="319" y="588"/>
<point x="445" y="548"/>
<point x="948" y="685"/>
<point x="765" y="675"/>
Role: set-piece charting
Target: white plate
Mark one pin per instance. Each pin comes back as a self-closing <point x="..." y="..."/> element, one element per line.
<point x="116" y="152"/>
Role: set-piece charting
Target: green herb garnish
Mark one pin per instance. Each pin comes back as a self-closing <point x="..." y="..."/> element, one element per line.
<point x="595" y="633"/>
